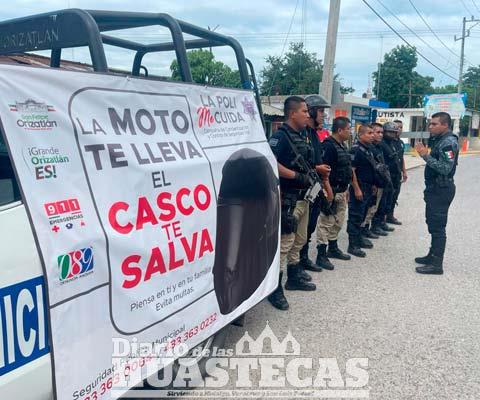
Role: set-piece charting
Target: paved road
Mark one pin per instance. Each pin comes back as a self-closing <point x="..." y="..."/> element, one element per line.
<point x="420" y="333"/>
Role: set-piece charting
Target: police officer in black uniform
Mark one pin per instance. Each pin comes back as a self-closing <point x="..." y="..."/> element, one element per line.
<point x="397" y="185"/>
<point x="361" y="190"/>
<point x="294" y="182"/>
<point x="383" y="180"/>
<point x="393" y="157"/>
<point x="316" y="105"/>
<point x="337" y="156"/>
<point x="439" y="188"/>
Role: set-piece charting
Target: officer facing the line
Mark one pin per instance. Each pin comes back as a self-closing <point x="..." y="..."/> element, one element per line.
<point x="439" y="188"/>
<point x="294" y="182"/>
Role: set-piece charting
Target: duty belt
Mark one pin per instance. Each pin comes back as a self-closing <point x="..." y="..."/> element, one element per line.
<point x="439" y="182"/>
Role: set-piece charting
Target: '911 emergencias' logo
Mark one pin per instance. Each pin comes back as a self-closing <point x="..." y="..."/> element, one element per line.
<point x="75" y="264"/>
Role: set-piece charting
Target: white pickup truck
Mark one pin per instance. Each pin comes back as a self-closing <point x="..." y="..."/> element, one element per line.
<point x="25" y="360"/>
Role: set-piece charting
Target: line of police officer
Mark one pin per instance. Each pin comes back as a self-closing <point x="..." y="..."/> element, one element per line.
<point x="368" y="178"/>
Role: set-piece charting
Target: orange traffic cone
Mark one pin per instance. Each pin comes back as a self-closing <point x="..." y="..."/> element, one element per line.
<point x="464" y="145"/>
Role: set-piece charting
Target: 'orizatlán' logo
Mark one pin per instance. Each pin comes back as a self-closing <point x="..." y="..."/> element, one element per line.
<point x="34" y="116"/>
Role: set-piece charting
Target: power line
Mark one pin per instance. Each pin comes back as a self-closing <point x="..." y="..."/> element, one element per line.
<point x="283" y="49"/>
<point x="319" y="35"/>
<point x="431" y="30"/>
<point x="466" y="8"/>
<point x="408" y="44"/>
<point x="411" y="30"/>
<point x="475" y="4"/>
<point x="440" y="40"/>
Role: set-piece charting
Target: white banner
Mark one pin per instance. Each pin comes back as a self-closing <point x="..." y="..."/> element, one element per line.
<point x="452" y="103"/>
<point x="155" y="207"/>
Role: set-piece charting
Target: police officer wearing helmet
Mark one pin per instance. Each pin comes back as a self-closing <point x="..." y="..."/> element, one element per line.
<point x="439" y="188"/>
<point x="393" y="157"/>
<point x="293" y="185"/>
<point x="316" y="105"/>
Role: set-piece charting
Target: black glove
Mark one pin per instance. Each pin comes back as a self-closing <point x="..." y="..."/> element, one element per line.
<point x="302" y="180"/>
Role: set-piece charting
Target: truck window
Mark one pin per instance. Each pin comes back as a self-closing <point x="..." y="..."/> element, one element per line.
<point x="9" y="191"/>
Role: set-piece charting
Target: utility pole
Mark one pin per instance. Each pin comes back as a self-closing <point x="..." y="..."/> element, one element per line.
<point x="465" y="34"/>
<point x="330" y="47"/>
<point x="379" y="70"/>
<point x="410" y="94"/>
<point x="212" y="30"/>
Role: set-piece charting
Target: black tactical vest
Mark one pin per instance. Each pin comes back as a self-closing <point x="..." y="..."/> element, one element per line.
<point x="393" y="156"/>
<point x="304" y="146"/>
<point x="341" y="175"/>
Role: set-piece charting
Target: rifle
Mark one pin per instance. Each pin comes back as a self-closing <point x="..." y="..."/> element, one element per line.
<point x="316" y="187"/>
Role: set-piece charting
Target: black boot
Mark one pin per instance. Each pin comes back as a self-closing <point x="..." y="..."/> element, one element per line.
<point x="386" y="228"/>
<point x="367" y="233"/>
<point x="364" y="243"/>
<point x="306" y="263"/>
<point x="378" y="231"/>
<point x="277" y="298"/>
<point x="434" y="267"/>
<point x="392" y="220"/>
<point x="425" y="260"/>
<point x="322" y="259"/>
<point x="295" y="282"/>
<point x="354" y="248"/>
<point x="302" y="273"/>
<point x="335" y="252"/>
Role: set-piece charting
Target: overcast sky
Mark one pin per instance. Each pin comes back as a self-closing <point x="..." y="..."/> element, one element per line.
<point x="262" y="27"/>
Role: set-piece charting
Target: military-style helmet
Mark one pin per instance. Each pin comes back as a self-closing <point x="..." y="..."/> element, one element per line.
<point x="390" y="127"/>
<point x="316" y="100"/>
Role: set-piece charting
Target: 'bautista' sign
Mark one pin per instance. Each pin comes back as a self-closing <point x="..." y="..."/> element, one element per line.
<point x="155" y="206"/>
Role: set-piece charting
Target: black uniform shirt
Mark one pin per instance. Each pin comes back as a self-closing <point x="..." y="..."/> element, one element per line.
<point x="284" y="154"/>
<point x="330" y="155"/>
<point x="316" y="144"/>
<point x="378" y="153"/>
<point x="363" y="167"/>
<point x="442" y="160"/>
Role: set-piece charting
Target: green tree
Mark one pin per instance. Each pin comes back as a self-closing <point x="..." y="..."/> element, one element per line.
<point x="297" y="72"/>
<point x="207" y="71"/>
<point x="471" y="82"/>
<point x="397" y="75"/>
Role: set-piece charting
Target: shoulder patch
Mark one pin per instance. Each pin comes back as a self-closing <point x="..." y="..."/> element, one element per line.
<point x="273" y="142"/>
<point x="449" y="154"/>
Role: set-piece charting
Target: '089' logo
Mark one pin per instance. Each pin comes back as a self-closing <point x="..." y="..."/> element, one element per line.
<point x="75" y="264"/>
